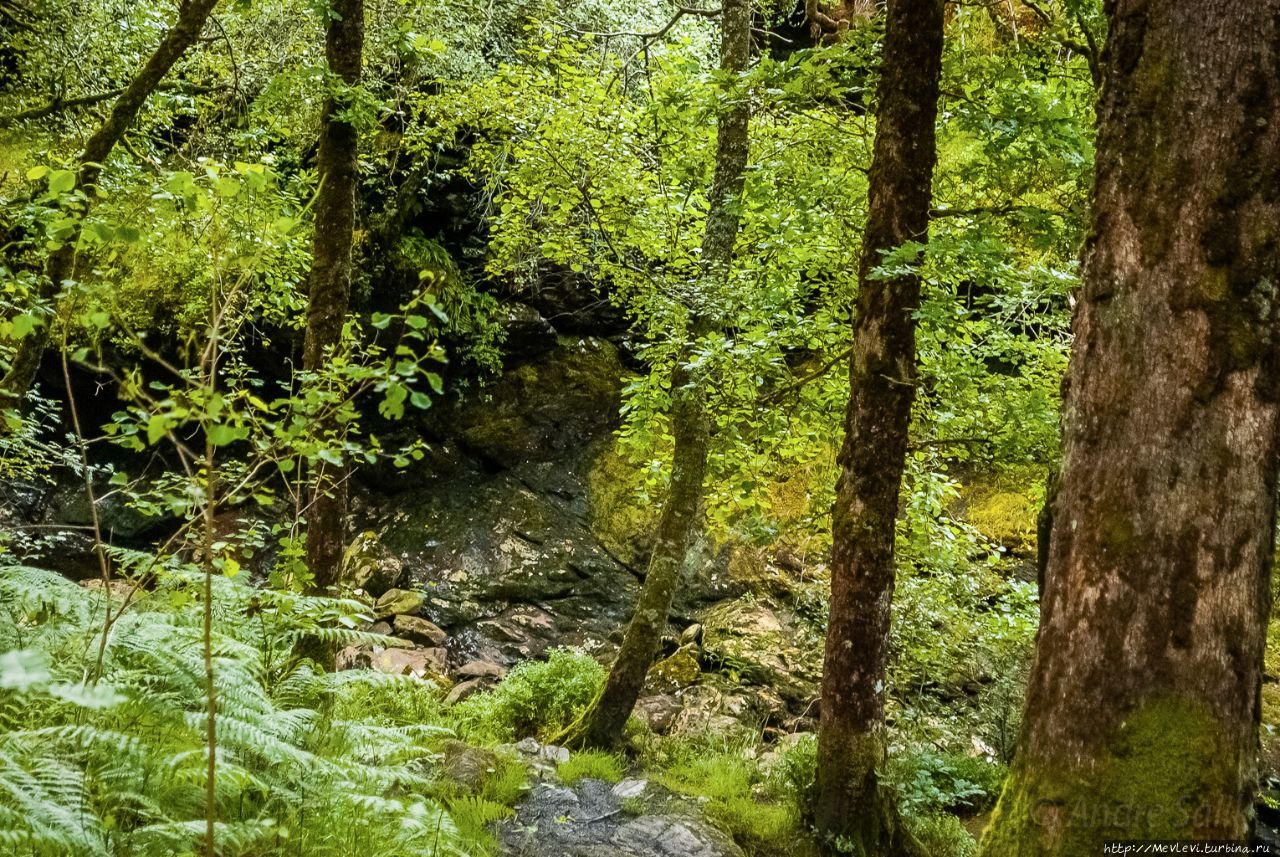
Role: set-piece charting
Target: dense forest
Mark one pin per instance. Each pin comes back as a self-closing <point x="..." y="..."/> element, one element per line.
<point x="585" y="428"/>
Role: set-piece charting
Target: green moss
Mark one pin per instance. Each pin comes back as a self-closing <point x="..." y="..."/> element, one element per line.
<point x="617" y="516"/>
<point x="737" y="798"/>
<point x="1007" y="517"/>
<point x="1118" y="534"/>
<point x="942" y="835"/>
<point x="1162" y="775"/>
<point x="678" y="671"/>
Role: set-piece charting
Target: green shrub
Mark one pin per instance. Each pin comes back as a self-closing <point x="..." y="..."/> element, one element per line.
<point x="507" y="784"/>
<point x="928" y="781"/>
<point x="942" y="835"/>
<point x="797" y="773"/>
<point x="536" y="698"/>
<point x="591" y="764"/>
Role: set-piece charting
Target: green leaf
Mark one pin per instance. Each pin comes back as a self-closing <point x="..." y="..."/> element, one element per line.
<point x="61" y="181"/>
<point x="222" y="434"/>
<point x="36" y="173"/>
<point x="24" y="669"/>
<point x="23" y="324"/>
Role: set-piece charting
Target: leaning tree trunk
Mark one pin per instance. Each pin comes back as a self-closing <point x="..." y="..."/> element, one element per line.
<point x="1142" y="709"/>
<point x="330" y="284"/>
<point x="61" y="263"/>
<point x="690" y="421"/>
<point x="849" y="803"/>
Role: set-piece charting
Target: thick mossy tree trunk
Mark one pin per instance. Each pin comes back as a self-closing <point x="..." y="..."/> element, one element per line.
<point x="1142" y="711"/>
<point x="330" y="284"/>
<point x="60" y="266"/>
<point x="850" y="806"/>
<point x="690" y="421"/>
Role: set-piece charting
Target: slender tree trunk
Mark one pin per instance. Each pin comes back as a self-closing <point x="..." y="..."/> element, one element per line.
<point x="849" y="802"/>
<point x="690" y="422"/>
<point x="61" y="263"/>
<point x="330" y="285"/>
<point x="1142" y="710"/>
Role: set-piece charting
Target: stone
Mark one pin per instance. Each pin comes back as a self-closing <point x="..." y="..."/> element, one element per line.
<point x="368" y="566"/>
<point x="380" y="627"/>
<point x="709" y="710"/>
<point x="587" y="821"/>
<point x="118" y="590"/>
<point x="423" y="663"/>
<point x="764" y="644"/>
<point x="671" y="836"/>
<point x="419" y="630"/>
<point x="353" y="658"/>
<point x="398" y="602"/>
<point x="680" y="670"/>
<point x="658" y="711"/>
<point x="629" y="788"/>
<point x="464" y="689"/>
<point x="466" y="765"/>
<point x="552" y="753"/>
<point x="528" y="746"/>
<point x="480" y="669"/>
<point x="692" y="635"/>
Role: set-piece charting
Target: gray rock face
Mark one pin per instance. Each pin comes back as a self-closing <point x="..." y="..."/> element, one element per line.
<point x="508" y="562"/>
<point x="588" y="821"/>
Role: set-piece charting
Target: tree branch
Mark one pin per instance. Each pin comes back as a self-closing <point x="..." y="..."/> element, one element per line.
<point x="59" y="104"/>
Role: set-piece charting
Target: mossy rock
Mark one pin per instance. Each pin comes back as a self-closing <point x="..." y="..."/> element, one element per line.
<point x="676" y="672"/>
<point x="367" y="565"/>
<point x="396" y="602"/>
<point x="547" y="406"/>
<point x="619" y="516"/>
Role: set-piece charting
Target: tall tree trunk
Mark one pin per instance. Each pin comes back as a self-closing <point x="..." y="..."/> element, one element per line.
<point x="690" y="422"/>
<point x="1142" y="709"/>
<point x="61" y="263"/>
<point x="330" y="284"/>
<point x="850" y="803"/>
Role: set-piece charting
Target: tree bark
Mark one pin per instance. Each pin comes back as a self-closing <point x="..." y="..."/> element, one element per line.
<point x="690" y="421"/>
<point x="61" y="263"/>
<point x="849" y="803"/>
<point x="330" y="283"/>
<point x="1142" y="709"/>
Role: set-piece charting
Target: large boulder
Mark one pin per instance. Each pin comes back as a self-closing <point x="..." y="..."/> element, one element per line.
<point x="760" y="642"/>
<point x="587" y="821"/>
<point x="544" y="407"/>
<point x="368" y="566"/>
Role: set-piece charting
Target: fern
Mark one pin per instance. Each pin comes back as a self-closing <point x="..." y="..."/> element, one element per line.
<point x="118" y="766"/>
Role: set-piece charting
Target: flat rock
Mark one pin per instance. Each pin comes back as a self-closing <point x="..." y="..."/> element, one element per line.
<point x="419" y="630"/>
<point x="423" y="663"/>
<point x="396" y="602"/>
<point x="587" y="821"/>
<point x="629" y="788"/>
<point x="463" y="689"/>
<point x="480" y="669"/>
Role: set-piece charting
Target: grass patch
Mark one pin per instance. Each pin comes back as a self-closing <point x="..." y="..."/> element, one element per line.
<point x="755" y="809"/>
<point x="591" y="764"/>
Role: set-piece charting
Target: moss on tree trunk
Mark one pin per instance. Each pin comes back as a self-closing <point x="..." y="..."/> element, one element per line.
<point x="850" y="809"/>
<point x="1142" y="707"/>
<point x="330" y="282"/>
<point x="690" y="422"/>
